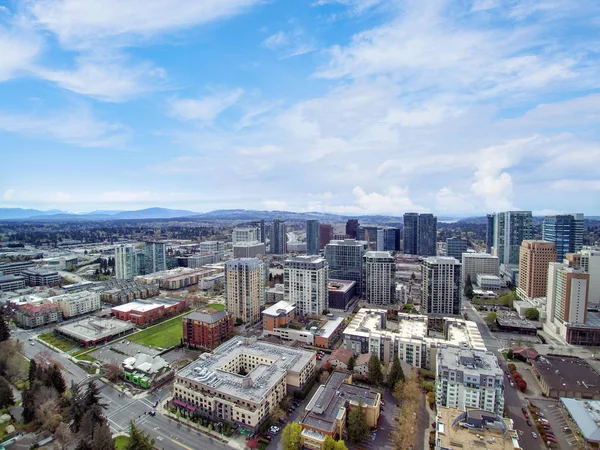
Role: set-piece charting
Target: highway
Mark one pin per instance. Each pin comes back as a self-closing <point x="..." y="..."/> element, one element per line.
<point x="511" y="395"/>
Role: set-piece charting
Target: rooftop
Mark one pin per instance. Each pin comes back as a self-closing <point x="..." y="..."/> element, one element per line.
<point x="379" y="255"/>
<point x="478" y="255"/>
<point x="586" y="414"/>
<point x="94" y="328"/>
<point x="207" y="316"/>
<point x="279" y="309"/>
<point x="469" y="361"/>
<point x="568" y="374"/>
<point x="515" y="322"/>
<point x="209" y="369"/>
<point x="146" y="305"/>
<point x="340" y="285"/>
<point x="341" y="354"/>
<point x="145" y="363"/>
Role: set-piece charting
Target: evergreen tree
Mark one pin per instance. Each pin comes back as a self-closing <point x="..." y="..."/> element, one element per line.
<point x="138" y="440"/>
<point x="4" y="329"/>
<point x="351" y="362"/>
<point x="33" y="371"/>
<point x="329" y="443"/>
<point x="340" y="445"/>
<point x="6" y="394"/>
<point x="468" y="290"/>
<point x="75" y="408"/>
<point x="56" y="380"/>
<point x="290" y="436"/>
<point x="93" y="409"/>
<point x="375" y="373"/>
<point x="83" y="444"/>
<point x="396" y="372"/>
<point x="28" y="405"/>
<point x="358" y="428"/>
<point x="102" y="438"/>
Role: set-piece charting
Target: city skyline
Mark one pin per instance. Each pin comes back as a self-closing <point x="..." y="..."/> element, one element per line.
<point x="355" y="107"/>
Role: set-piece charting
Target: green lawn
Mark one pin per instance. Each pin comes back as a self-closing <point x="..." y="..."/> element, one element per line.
<point x="121" y="442"/>
<point x="216" y="306"/>
<point x="165" y="334"/>
<point x="57" y="341"/>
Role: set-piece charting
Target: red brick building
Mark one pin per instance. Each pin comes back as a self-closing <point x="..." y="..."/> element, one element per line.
<point x="207" y="329"/>
<point x="143" y="312"/>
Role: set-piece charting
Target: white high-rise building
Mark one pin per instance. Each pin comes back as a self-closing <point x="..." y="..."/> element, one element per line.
<point x="474" y="264"/>
<point x="246" y="234"/>
<point x="379" y="269"/>
<point x="125" y="262"/>
<point x="469" y="378"/>
<point x="305" y="284"/>
<point x="440" y="285"/>
<point x="590" y="262"/>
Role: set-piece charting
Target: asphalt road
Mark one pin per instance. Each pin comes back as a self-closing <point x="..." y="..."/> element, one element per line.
<point x="511" y="396"/>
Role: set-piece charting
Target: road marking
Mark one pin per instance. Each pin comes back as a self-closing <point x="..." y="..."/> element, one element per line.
<point x="181" y="445"/>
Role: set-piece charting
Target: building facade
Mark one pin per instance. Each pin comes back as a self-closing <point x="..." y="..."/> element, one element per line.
<point x="379" y="270"/>
<point x="441" y="286"/>
<point x="78" y="303"/>
<point x="244" y="289"/>
<point x="278" y="237"/>
<point x="474" y="264"/>
<point x="250" y="249"/>
<point x="351" y="228"/>
<point x="345" y="260"/>
<point x="155" y="257"/>
<point x="260" y="224"/>
<point x="207" y="329"/>
<point x="144" y="312"/>
<point x="37" y="315"/>
<point x="325" y="235"/>
<point x="125" y="262"/>
<point x="427" y="235"/>
<point x="455" y="247"/>
<point x="511" y="228"/>
<point x="533" y="268"/>
<point x="305" y="282"/>
<point x="40" y="277"/>
<point x="489" y="233"/>
<point x="11" y="282"/>
<point x="388" y="239"/>
<point x="245" y="234"/>
<point x="313" y="238"/>
<point x="565" y="232"/>
<point x="411" y="233"/>
<point x="341" y="293"/>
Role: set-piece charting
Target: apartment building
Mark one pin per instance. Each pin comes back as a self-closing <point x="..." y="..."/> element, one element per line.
<point x="441" y="286"/>
<point x="245" y="289"/>
<point x="379" y="269"/>
<point x="305" y="284"/>
<point x="78" y="303"/>
<point x="207" y="329"/>
<point x="533" y="268"/>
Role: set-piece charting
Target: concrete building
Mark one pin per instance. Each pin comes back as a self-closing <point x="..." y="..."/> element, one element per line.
<point x="474" y="428"/>
<point x="583" y="417"/>
<point x="279" y="315"/>
<point x="117" y="292"/>
<point x="488" y="282"/>
<point x="345" y="260"/>
<point x="250" y="249"/>
<point x="468" y="378"/>
<point x="589" y="260"/>
<point x="11" y="282"/>
<point x="441" y="287"/>
<point x="217" y="248"/>
<point x="125" y="262"/>
<point x="341" y="293"/>
<point x="244" y="289"/>
<point x="455" y="247"/>
<point x="144" y="312"/>
<point x="325" y="235"/>
<point x="78" y="303"/>
<point x="275" y="294"/>
<point x="155" y="258"/>
<point x="15" y="268"/>
<point x="474" y="264"/>
<point x="533" y="268"/>
<point x="278" y="237"/>
<point x="351" y="228"/>
<point x="489" y="233"/>
<point x="328" y="409"/>
<point x="41" y="277"/>
<point x="242" y="381"/>
<point x="313" y="237"/>
<point x="566" y="377"/>
<point x="565" y="232"/>
<point x="207" y="329"/>
<point x="93" y="331"/>
<point x="178" y="278"/>
<point x="510" y="230"/>
<point x="305" y="282"/>
<point x="197" y="261"/>
<point x="260" y="224"/>
<point x="37" y="315"/>
<point x="245" y="234"/>
<point x="211" y="281"/>
<point x="379" y="269"/>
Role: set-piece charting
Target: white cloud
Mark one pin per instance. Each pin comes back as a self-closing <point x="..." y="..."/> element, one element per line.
<point x="18" y="51"/>
<point x="448" y="201"/>
<point x="275" y="205"/>
<point x="575" y="185"/>
<point x="204" y="109"/>
<point x="8" y="194"/>
<point x="357" y="6"/>
<point x="291" y="43"/>
<point x="393" y="200"/>
<point x="256" y="151"/>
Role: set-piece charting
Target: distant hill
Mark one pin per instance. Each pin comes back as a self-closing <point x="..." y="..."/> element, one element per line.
<point x="20" y="213"/>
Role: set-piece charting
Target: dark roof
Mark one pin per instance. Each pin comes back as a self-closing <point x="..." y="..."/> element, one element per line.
<point x="568" y="374"/>
<point x="527" y="353"/>
<point x="207" y="317"/>
<point x="11" y="277"/>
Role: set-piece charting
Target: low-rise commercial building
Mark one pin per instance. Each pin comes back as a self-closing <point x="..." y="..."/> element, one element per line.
<point x="15" y="268"/>
<point x="93" y="331"/>
<point x="568" y="377"/>
<point x="583" y="417"/>
<point x="145" y="370"/>
<point x="11" y="282"/>
<point x="242" y="381"/>
<point x="40" y="277"/>
<point x="36" y="315"/>
<point x="516" y="325"/>
<point x="144" y="312"/>
<point x="488" y="281"/>
<point x="207" y="329"/>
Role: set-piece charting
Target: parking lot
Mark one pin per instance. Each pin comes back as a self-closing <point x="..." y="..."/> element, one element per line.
<point x="551" y="412"/>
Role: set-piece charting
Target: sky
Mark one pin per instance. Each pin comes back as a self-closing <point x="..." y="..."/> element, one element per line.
<point x="344" y="106"/>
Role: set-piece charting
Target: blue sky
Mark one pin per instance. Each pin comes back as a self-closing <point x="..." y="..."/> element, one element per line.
<point x="348" y="106"/>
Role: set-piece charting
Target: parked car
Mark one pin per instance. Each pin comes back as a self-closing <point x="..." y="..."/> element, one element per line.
<point x="528" y="422"/>
<point x="534" y="434"/>
<point x="551" y="439"/>
<point x="524" y="410"/>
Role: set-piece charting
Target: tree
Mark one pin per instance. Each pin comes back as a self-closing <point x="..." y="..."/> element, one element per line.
<point x="396" y="373"/>
<point x="522" y="384"/>
<point x="28" y="405"/>
<point x="329" y="443"/>
<point x="64" y="436"/>
<point x="324" y="377"/>
<point x="33" y="369"/>
<point x="94" y="413"/>
<point x="340" y="445"/>
<point x="375" y="373"/>
<point x="102" y="438"/>
<point x="290" y="436"/>
<point x="358" y="428"/>
<point x="468" y="290"/>
<point x="75" y="408"/>
<point x="351" y="362"/>
<point x="47" y="414"/>
<point x="4" y="329"/>
<point x="510" y="354"/>
<point x="138" y="440"/>
<point x="6" y="394"/>
<point x="532" y="314"/>
<point x="512" y="367"/>
<point x="491" y="318"/>
<point x="56" y="380"/>
<point x="112" y="371"/>
<point x="431" y="399"/>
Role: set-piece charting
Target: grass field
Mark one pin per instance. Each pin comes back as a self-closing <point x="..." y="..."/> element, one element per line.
<point x="165" y="334"/>
<point x="59" y="342"/>
<point x="216" y="306"/>
<point x="121" y="442"/>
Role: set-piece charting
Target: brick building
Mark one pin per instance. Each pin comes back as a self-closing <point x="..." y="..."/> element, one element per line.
<point x="143" y="312"/>
<point x="32" y="316"/>
<point x="208" y="328"/>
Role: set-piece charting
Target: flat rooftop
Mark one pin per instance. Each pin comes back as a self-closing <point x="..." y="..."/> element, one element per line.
<point x="146" y="305"/>
<point x="515" y="322"/>
<point x="90" y="329"/>
<point x="279" y="309"/>
<point x="568" y="374"/>
<point x="469" y="361"/>
<point x="207" y="316"/>
<point x="208" y="369"/>
<point x="340" y="285"/>
<point x="586" y="414"/>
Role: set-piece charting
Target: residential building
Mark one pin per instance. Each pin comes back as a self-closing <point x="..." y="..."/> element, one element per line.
<point x="328" y="409"/>
<point x="145" y="370"/>
<point x="489" y="233"/>
<point x="341" y="293"/>
<point x="197" y="261"/>
<point x="242" y="381"/>
<point x="455" y="247"/>
<point x="245" y="234"/>
<point x="340" y="358"/>
<point x="144" y="312"/>
<point x="474" y="428"/>
<point x="178" y="278"/>
<point x="565" y="231"/>
<point x="474" y="264"/>
<point x="260" y="224"/>
<point x="305" y="282"/>
<point x="77" y="303"/>
<point x="207" y="328"/>
<point x="427" y="235"/>
<point x="125" y="262"/>
<point x="351" y="228"/>
<point x="379" y="269"/>
<point x="296" y="247"/>
<point x="468" y="378"/>
<point x="345" y="260"/>
<point x="411" y="233"/>
<point x="211" y="281"/>
<point x="361" y="365"/>
<point x="250" y="249"/>
<point x="117" y="292"/>
<point x="41" y="277"/>
<point x="440" y="284"/>
<point x="583" y="418"/>
<point x="278" y="316"/>
<point x="325" y="235"/>
<point x="313" y="238"/>
<point x="533" y="268"/>
<point x="511" y="228"/>
<point x="244" y="289"/>
<point x="11" y="282"/>
<point x="275" y="294"/>
<point x="15" y="268"/>
<point x="155" y="259"/>
<point x="36" y="315"/>
<point x="278" y="237"/>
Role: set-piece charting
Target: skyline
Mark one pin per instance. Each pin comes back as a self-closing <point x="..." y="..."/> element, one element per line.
<point x="395" y="106"/>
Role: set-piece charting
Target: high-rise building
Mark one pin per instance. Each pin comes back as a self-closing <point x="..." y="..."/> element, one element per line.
<point x="474" y="264"/>
<point x="440" y="285"/>
<point x="427" y="235"/>
<point x="533" y="268"/>
<point x="125" y="262"/>
<point x="155" y="258"/>
<point x="566" y="295"/>
<point x="411" y="227"/>
<point x="345" y="260"/>
<point x="589" y="260"/>
<point x="455" y="247"/>
<point x="325" y="235"/>
<point x="260" y="224"/>
<point x="387" y="239"/>
<point x="511" y="228"/>
<point x="244" y="288"/>
<point x="565" y="231"/>
<point x="278" y="237"/>
<point x="245" y="234"/>
<point x="379" y="268"/>
<point x="305" y="283"/>
<point x="351" y="228"/>
<point x="469" y="378"/>
<point x="313" y="238"/>
<point x="489" y="233"/>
